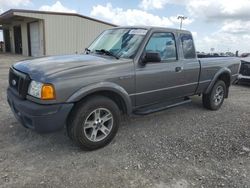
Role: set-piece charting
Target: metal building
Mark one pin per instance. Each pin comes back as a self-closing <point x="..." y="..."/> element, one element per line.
<point x="38" y="33"/>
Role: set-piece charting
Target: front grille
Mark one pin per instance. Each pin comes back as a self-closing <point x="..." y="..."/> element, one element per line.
<point x="19" y="82"/>
<point x="245" y="68"/>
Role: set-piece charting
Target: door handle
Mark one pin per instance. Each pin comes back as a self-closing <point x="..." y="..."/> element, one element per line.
<point x="178" y="69"/>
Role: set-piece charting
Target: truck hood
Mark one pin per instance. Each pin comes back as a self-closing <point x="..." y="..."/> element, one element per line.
<point x="46" y="66"/>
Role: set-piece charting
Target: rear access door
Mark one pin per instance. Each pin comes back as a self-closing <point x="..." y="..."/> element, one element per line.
<point x="191" y="65"/>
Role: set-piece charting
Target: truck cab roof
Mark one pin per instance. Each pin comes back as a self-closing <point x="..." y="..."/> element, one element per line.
<point x="154" y="28"/>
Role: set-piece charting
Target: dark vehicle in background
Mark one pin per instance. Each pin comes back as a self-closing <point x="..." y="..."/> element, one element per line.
<point x="126" y="70"/>
<point x="245" y="55"/>
<point x="244" y="74"/>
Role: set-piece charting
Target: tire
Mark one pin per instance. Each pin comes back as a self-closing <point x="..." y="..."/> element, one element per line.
<point x="215" y="98"/>
<point x="94" y="122"/>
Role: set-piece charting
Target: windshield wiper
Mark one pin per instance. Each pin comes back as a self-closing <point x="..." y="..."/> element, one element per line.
<point x="107" y="52"/>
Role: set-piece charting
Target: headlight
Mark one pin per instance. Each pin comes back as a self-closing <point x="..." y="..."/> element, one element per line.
<point x="42" y="91"/>
<point x="35" y="89"/>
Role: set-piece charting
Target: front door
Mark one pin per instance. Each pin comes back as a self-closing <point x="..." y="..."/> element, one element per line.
<point x="18" y="40"/>
<point x="161" y="81"/>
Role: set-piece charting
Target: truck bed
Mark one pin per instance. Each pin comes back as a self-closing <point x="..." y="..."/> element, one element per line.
<point x="212" y="65"/>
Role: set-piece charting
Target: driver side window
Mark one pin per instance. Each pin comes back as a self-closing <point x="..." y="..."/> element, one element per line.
<point x="164" y="44"/>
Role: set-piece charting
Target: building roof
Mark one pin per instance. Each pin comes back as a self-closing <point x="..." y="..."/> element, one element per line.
<point x="10" y="13"/>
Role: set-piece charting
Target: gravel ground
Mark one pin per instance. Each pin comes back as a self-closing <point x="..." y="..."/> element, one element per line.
<point x="187" y="146"/>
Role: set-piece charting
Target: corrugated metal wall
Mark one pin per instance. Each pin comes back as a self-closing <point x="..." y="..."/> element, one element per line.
<point x="67" y="34"/>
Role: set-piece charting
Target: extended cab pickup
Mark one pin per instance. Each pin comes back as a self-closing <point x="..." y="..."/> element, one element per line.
<point x="126" y="70"/>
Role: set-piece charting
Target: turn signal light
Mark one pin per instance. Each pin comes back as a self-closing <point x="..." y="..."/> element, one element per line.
<point x="48" y="92"/>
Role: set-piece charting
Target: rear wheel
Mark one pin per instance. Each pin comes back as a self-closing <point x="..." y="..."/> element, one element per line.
<point x="94" y="123"/>
<point x="215" y="98"/>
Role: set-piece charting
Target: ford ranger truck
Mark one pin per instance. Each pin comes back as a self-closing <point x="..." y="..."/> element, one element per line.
<point x="126" y="70"/>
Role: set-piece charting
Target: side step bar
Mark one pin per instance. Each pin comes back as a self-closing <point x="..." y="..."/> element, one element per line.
<point x="161" y="106"/>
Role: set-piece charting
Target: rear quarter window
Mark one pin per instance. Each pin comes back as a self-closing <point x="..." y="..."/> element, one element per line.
<point x="187" y="44"/>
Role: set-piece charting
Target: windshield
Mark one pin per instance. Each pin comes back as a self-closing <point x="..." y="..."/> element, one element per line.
<point x="121" y="43"/>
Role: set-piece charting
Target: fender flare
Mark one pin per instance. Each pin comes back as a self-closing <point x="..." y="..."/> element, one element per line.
<point x="224" y="70"/>
<point x="102" y="86"/>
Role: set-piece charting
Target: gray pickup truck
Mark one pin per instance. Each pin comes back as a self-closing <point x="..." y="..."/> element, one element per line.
<point x="126" y="70"/>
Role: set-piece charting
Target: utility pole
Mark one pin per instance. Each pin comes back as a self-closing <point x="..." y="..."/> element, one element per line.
<point x="181" y="18"/>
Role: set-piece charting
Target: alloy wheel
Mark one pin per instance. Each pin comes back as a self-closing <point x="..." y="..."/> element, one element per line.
<point x="98" y="124"/>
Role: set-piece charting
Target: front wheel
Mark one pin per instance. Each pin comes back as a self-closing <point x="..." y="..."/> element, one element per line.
<point x="94" y="122"/>
<point x="215" y="98"/>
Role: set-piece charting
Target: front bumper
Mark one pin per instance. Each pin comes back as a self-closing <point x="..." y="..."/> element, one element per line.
<point x="41" y="118"/>
<point x="244" y="79"/>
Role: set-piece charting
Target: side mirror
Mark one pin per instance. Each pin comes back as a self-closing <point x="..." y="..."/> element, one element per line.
<point x="151" y="57"/>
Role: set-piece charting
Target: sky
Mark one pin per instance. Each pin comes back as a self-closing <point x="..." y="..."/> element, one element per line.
<point x="220" y="24"/>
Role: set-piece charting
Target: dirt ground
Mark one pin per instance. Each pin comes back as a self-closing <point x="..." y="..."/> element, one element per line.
<point x="187" y="146"/>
